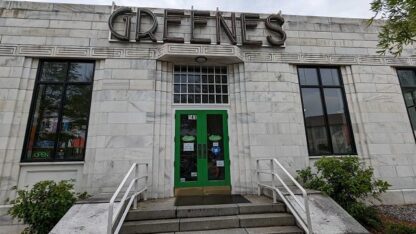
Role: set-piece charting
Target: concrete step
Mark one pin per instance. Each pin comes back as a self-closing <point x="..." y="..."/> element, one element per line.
<point x="204" y="211"/>
<point x="208" y="223"/>
<point x="266" y="220"/>
<point x="275" y="230"/>
<point x="261" y="230"/>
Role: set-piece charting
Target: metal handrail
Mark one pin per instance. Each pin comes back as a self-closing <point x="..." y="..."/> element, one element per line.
<point x="133" y="199"/>
<point x="306" y="224"/>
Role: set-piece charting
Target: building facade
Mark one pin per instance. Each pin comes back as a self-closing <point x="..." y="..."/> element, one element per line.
<point x="85" y="91"/>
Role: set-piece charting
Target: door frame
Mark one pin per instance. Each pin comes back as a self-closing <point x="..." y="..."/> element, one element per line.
<point x="213" y="107"/>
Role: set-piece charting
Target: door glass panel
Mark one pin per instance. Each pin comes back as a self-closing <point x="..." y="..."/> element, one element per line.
<point x="215" y="146"/>
<point x="188" y="149"/>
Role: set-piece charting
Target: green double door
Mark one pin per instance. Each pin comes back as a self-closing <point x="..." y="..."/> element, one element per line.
<point x="201" y="148"/>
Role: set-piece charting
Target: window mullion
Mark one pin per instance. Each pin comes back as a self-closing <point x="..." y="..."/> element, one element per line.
<point x="61" y="108"/>
<point x="328" y="131"/>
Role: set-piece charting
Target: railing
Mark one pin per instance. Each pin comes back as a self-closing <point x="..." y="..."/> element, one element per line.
<point x="306" y="224"/>
<point x="115" y="221"/>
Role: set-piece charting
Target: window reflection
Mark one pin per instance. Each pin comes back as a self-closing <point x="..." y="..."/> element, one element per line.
<point x="192" y="82"/>
<point x="58" y="127"/>
<point x="328" y="129"/>
<point x="45" y="122"/>
<point x="408" y="83"/>
<point x="315" y="121"/>
<point x="188" y="141"/>
<point x="337" y="121"/>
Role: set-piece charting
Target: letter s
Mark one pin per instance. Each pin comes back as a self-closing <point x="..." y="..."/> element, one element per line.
<point x="277" y="28"/>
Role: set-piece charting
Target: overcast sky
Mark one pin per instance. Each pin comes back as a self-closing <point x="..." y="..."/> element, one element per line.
<point x="337" y="8"/>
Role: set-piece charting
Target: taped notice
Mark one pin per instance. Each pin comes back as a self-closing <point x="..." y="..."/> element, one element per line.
<point x="192" y="117"/>
<point x="188" y="147"/>
<point x="194" y="174"/>
<point x="215" y="144"/>
<point x="220" y="163"/>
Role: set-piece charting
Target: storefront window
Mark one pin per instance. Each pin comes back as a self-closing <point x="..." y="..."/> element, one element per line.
<point x="60" y="111"/>
<point x="328" y="128"/>
<point x="200" y="84"/>
<point x="407" y="79"/>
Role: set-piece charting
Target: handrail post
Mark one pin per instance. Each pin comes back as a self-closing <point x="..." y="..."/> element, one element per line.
<point x="145" y="181"/>
<point x="308" y="215"/>
<point x="258" y="177"/>
<point x="136" y="185"/>
<point x="273" y="181"/>
<point x="110" y="218"/>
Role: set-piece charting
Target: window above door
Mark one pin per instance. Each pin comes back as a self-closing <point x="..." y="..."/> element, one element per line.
<point x="200" y="84"/>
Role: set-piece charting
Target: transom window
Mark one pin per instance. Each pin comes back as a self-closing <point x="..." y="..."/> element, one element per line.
<point x="407" y="79"/>
<point x="327" y="123"/>
<point x="200" y="84"/>
<point x="58" y="123"/>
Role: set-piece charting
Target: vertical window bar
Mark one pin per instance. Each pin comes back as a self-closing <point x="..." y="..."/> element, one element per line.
<point x="61" y="110"/>
<point x="328" y="131"/>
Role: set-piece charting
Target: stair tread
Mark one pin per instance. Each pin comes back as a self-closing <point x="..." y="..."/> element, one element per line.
<point x="258" y="230"/>
<point x="204" y="211"/>
<point x="217" y="231"/>
<point x="274" y="229"/>
<point x="264" y="215"/>
<point x="208" y="207"/>
<point x="150" y="221"/>
<point x="240" y="216"/>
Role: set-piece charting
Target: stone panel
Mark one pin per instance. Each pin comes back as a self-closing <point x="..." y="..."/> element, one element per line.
<point x="132" y="111"/>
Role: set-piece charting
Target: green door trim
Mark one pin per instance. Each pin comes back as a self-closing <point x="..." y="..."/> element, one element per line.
<point x="202" y="178"/>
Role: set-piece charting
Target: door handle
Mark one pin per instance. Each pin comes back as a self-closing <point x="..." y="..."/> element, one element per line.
<point x="198" y="151"/>
<point x="205" y="152"/>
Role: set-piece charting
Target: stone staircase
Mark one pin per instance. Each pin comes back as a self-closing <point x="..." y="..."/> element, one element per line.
<point x="258" y="216"/>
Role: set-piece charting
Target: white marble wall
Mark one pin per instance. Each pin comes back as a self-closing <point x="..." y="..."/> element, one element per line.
<point x="132" y="111"/>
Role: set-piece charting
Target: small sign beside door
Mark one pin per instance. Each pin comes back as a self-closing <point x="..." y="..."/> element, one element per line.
<point x="188" y="147"/>
<point x="192" y="117"/>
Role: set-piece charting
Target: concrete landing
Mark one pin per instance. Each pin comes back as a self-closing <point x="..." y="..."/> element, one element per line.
<point x="328" y="217"/>
<point x="84" y="218"/>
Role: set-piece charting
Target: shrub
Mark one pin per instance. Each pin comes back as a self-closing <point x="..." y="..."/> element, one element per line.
<point x="397" y="228"/>
<point x="44" y="205"/>
<point x="349" y="184"/>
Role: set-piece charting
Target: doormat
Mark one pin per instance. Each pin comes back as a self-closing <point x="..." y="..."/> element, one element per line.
<point x="209" y="200"/>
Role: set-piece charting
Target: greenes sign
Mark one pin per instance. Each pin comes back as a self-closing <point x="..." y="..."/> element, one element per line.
<point x="198" y="19"/>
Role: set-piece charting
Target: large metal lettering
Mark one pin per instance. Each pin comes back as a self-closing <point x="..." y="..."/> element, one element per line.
<point x="172" y="17"/>
<point x="277" y="28"/>
<point x="199" y="18"/>
<point x="232" y="34"/>
<point x="149" y="33"/>
<point x="249" y="21"/>
<point x="273" y="24"/>
<point x="125" y="12"/>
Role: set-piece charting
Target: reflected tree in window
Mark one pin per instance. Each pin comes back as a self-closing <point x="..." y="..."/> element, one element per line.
<point x="328" y="128"/>
<point x="407" y="79"/>
<point x="59" y="122"/>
